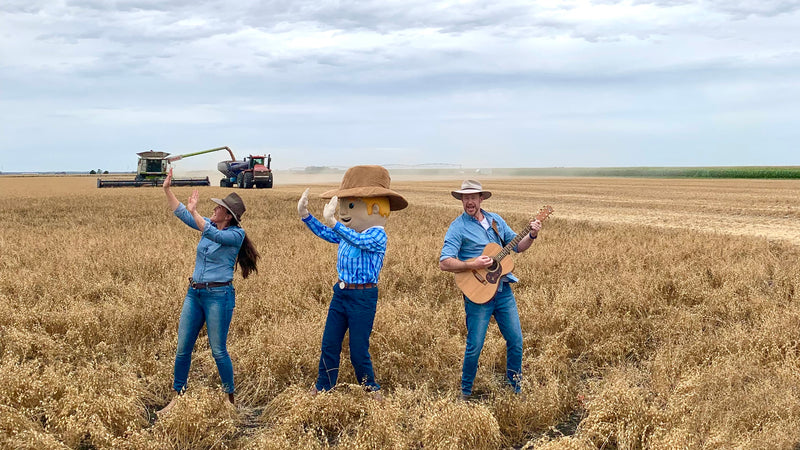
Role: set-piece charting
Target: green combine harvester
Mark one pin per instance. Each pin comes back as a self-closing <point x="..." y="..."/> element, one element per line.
<point x="152" y="169"/>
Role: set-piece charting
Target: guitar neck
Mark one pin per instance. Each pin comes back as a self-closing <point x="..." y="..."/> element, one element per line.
<point x="513" y="243"/>
<point x="543" y="214"/>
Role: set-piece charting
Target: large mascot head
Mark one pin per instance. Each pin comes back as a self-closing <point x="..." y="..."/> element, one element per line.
<point x="365" y="199"/>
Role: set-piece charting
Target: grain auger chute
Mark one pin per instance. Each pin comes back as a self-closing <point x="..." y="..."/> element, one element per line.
<point x="152" y="169"/>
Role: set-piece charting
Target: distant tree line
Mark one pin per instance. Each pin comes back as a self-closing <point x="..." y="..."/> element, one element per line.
<point x="766" y="172"/>
<point x="98" y="171"/>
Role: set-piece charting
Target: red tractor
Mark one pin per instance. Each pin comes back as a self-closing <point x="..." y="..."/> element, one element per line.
<point x="253" y="171"/>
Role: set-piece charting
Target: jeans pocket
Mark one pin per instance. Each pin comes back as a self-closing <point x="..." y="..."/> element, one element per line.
<point x="224" y="296"/>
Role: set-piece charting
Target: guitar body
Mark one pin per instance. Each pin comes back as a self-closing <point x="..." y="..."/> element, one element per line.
<point x="480" y="285"/>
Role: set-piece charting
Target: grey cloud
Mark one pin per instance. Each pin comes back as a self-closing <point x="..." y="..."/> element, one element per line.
<point x="738" y="8"/>
<point x="130" y="22"/>
<point x="19" y="7"/>
<point x="131" y="5"/>
<point x="382" y="16"/>
<point x="766" y="8"/>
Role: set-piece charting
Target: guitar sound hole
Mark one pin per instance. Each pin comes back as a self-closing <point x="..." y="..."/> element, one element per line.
<point x="493" y="267"/>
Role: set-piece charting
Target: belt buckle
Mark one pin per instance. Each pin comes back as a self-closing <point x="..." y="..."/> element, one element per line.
<point x="342" y="285"/>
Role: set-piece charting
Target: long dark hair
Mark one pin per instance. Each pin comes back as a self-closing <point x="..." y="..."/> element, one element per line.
<point x="248" y="255"/>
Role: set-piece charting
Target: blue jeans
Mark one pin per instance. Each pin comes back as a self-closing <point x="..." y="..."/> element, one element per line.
<point x="504" y="309"/>
<point x="214" y="307"/>
<point x="353" y="309"/>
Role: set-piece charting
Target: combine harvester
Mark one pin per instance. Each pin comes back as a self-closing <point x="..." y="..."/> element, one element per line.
<point x="152" y="169"/>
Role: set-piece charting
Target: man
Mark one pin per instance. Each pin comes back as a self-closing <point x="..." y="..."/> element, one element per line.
<point x="365" y="201"/>
<point x="466" y="238"/>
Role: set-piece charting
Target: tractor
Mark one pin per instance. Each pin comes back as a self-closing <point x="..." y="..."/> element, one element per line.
<point x="248" y="173"/>
<point x="152" y="169"/>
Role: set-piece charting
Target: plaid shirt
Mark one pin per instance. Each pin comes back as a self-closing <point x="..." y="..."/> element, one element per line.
<point x="360" y="255"/>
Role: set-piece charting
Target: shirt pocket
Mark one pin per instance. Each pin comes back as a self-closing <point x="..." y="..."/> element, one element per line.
<point x="354" y="252"/>
<point x="207" y="246"/>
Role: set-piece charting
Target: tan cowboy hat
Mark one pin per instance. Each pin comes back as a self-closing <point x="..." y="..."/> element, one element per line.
<point x="233" y="203"/>
<point x="471" y="187"/>
<point x="368" y="181"/>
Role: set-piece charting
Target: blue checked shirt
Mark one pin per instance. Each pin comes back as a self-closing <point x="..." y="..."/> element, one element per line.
<point x="466" y="237"/>
<point x="216" y="251"/>
<point x="360" y="255"/>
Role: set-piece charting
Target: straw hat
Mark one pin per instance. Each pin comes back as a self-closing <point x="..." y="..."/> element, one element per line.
<point x="233" y="203"/>
<point x="368" y="181"/>
<point x="471" y="187"/>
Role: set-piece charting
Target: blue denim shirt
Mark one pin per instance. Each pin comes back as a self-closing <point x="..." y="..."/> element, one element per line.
<point x="360" y="255"/>
<point x="466" y="237"/>
<point x="216" y="251"/>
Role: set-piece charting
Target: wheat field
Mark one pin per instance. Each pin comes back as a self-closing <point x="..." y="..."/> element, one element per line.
<point x="656" y="314"/>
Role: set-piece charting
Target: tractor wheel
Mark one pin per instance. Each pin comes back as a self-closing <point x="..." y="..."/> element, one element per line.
<point x="268" y="184"/>
<point x="240" y="180"/>
<point x="248" y="180"/>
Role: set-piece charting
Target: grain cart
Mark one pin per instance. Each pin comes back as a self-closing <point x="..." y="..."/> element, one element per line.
<point x="152" y="169"/>
<point x="248" y="173"/>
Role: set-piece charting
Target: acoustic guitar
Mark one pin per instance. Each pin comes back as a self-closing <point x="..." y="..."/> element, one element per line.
<point x="480" y="285"/>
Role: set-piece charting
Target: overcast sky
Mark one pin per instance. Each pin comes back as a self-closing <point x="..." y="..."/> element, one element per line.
<point x="89" y="83"/>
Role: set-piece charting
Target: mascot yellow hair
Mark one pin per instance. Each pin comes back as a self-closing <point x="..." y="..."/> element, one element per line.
<point x="382" y="202"/>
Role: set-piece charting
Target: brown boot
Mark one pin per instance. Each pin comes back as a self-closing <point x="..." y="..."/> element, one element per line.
<point x="169" y="406"/>
<point x="230" y="398"/>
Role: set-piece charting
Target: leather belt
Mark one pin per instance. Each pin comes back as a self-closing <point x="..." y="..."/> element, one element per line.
<point x="343" y="285"/>
<point x="209" y="284"/>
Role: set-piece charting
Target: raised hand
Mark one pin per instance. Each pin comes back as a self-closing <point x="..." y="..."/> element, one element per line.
<point x="191" y="205"/>
<point x="329" y="212"/>
<point x="168" y="179"/>
<point x="302" y="205"/>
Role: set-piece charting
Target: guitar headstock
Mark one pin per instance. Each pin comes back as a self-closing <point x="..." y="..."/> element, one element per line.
<point x="544" y="212"/>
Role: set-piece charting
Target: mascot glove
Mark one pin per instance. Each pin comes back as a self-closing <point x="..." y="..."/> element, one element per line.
<point x="329" y="212"/>
<point x="302" y="205"/>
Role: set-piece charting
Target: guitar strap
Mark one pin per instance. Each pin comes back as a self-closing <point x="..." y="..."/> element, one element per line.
<point x="494" y="227"/>
<point x="502" y="244"/>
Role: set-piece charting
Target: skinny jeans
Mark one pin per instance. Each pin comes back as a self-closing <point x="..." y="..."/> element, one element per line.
<point x="504" y="309"/>
<point x="214" y="308"/>
<point x="352" y="309"/>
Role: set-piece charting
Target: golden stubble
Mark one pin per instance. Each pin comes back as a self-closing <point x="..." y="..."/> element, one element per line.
<point x="655" y="313"/>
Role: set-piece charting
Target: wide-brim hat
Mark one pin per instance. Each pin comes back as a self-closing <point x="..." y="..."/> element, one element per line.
<point x="233" y="203"/>
<point x="368" y="181"/>
<point x="471" y="187"/>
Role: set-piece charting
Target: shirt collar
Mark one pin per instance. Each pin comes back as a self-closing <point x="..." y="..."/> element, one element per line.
<point x="485" y="214"/>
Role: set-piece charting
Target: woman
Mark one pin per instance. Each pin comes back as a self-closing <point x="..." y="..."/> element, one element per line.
<point x="211" y="297"/>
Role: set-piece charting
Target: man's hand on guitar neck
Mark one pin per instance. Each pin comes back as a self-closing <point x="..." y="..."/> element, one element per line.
<point x="536" y="225"/>
<point x="527" y="240"/>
